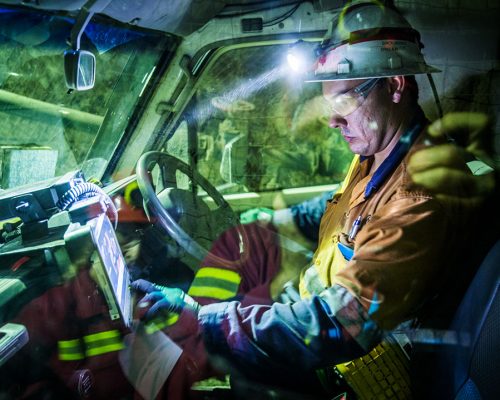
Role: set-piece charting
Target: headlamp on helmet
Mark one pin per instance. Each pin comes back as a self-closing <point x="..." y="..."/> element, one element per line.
<point x="301" y="57"/>
<point x="369" y="40"/>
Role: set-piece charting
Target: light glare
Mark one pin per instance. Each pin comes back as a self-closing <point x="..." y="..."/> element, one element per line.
<point x="295" y="62"/>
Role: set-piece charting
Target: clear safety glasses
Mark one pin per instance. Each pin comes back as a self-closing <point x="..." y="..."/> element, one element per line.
<point x="346" y="103"/>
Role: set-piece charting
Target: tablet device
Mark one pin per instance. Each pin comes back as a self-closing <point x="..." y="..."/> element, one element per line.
<point x="111" y="270"/>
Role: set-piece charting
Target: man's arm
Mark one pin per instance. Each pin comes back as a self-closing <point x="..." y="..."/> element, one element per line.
<point x="323" y="330"/>
<point x="306" y="335"/>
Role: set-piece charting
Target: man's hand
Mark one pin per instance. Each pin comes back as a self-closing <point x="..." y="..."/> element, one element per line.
<point x="442" y="168"/>
<point x="163" y="299"/>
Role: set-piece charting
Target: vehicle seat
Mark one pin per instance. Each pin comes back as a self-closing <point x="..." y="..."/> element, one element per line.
<point x="468" y="369"/>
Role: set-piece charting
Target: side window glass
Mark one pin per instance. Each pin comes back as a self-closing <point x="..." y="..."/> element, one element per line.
<point x="261" y="128"/>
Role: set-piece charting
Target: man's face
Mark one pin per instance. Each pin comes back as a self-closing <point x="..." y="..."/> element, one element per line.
<point x="367" y="129"/>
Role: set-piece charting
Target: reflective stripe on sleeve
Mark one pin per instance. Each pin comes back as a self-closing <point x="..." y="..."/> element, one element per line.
<point x="215" y="283"/>
<point x="158" y="324"/>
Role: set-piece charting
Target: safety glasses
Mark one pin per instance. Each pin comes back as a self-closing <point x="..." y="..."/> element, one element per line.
<point x="346" y="103"/>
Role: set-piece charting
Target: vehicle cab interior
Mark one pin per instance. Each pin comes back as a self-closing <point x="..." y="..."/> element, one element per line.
<point x="136" y="137"/>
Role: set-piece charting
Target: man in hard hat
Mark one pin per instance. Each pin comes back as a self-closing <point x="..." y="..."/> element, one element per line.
<point x="386" y="255"/>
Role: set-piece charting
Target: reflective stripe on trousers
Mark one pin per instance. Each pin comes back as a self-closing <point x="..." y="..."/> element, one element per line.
<point x="90" y="345"/>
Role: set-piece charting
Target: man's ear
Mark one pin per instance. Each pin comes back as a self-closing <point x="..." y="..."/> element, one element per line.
<point x="397" y="84"/>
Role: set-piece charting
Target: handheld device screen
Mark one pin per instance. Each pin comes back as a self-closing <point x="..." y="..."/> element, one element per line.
<point x="111" y="269"/>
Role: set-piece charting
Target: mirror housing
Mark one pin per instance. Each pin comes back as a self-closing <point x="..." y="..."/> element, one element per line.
<point x="79" y="69"/>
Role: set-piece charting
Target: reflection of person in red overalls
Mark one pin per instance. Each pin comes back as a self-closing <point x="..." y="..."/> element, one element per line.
<point x="252" y="276"/>
<point x="229" y="274"/>
<point x="226" y="278"/>
<point x="73" y="346"/>
<point x="74" y="349"/>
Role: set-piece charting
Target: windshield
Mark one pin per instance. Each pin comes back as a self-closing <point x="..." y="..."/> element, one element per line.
<point x="47" y="130"/>
<point x="261" y="129"/>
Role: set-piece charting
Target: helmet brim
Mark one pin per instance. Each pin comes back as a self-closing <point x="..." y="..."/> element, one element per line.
<point x="425" y="69"/>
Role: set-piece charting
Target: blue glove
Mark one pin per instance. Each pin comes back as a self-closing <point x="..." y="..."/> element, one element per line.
<point x="164" y="299"/>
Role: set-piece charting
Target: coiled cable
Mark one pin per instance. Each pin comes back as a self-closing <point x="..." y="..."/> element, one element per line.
<point x="86" y="190"/>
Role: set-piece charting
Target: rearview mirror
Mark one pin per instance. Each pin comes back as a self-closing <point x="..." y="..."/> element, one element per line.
<point x="79" y="69"/>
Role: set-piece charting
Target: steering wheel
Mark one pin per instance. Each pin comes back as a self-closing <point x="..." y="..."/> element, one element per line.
<point x="176" y="210"/>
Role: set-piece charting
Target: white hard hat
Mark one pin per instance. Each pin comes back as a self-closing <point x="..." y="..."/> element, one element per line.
<point x="369" y="40"/>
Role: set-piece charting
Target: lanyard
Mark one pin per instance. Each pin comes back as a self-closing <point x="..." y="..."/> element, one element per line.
<point x="394" y="158"/>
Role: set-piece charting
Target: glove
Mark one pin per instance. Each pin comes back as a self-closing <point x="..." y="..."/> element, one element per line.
<point x="163" y="299"/>
<point x="442" y="168"/>
<point x="260" y="214"/>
